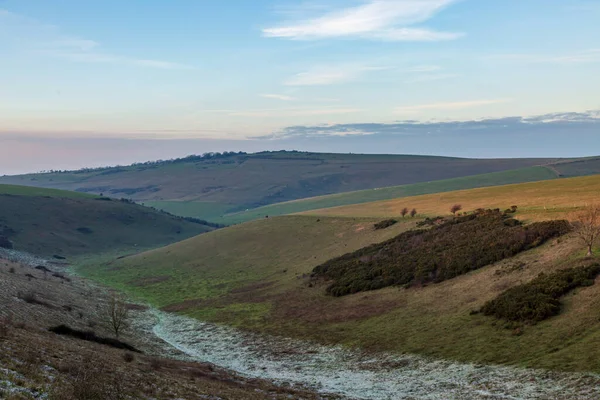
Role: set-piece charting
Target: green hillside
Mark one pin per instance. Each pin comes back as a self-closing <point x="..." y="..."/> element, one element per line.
<point x="233" y="182"/>
<point x="256" y="276"/>
<point x="531" y="174"/>
<point x="50" y="222"/>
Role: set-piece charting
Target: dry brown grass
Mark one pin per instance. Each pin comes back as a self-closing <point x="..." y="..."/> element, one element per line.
<point x="536" y="201"/>
<point x="85" y="370"/>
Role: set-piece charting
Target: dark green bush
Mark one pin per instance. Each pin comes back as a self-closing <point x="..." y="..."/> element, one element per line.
<point x="385" y="224"/>
<point x="449" y="249"/>
<point x="90" y="336"/>
<point x="539" y="299"/>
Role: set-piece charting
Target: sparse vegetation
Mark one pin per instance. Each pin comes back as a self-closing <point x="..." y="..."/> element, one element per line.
<point x="443" y="252"/>
<point x="32" y="298"/>
<point x="587" y="226"/>
<point x="540" y="298"/>
<point x="455" y="208"/>
<point x="90" y="336"/>
<point x="385" y="224"/>
<point x="117" y="313"/>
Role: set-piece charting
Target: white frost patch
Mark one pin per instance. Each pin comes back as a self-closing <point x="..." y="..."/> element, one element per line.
<point x="22" y="257"/>
<point x="359" y="375"/>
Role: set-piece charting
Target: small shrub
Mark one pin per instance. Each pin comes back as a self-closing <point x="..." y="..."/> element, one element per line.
<point x="11" y="270"/>
<point x="404" y="212"/>
<point x="88" y="379"/>
<point x="31" y="298"/>
<point x="128" y="357"/>
<point x="61" y="276"/>
<point x="540" y="298"/>
<point x="5" y="326"/>
<point x="455" y="208"/>
<point x="385" y="224"/>
<point x="90" y="336"/>
<point x="85" y="230"/>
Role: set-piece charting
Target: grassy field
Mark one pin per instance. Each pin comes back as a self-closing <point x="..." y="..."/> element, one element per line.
<point x="49" y="222"/>
<point x="16" y="190"/>
<point x="209" y="211"/>
<point x="255" y="276"/>
<point x="537" y="200"/>
<point x="237" y="182"/>
<point x="364" y="196"/>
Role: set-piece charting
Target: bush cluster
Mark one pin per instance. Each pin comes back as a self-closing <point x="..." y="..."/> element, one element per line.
<point x="385" y="224"/>
<point x="90" y="336"/>
<point x="540" y="298"/>
<point x="452" y="248"/>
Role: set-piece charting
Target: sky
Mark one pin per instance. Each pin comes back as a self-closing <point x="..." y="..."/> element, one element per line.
<point x="87" y="83"/>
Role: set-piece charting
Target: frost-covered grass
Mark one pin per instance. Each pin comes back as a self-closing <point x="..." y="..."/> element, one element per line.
<point x="360" y="375"/>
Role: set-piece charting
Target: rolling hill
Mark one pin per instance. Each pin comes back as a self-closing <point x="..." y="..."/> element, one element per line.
<point x="211" y="186"/>
<point x="256" y="276"/>
<point x="49" y="222"/>
<point x="536" y="200"/>
<point x="530" y="174"/>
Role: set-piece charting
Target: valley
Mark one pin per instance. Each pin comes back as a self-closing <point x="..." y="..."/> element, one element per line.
<point x="257" y="276"/>
<point x="235" y="295"/>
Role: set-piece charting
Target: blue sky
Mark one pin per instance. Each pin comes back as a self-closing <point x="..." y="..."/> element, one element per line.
<point x="238" y="70"/>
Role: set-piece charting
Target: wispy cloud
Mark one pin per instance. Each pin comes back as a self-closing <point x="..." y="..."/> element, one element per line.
<point x="377" y="19"/>
<point x="281" y="97"/>
<point x="431" y="78"/>
<point x="457" y="105"/>
<point x="295" y="112"/>
<point x="330" y="75"/>
<point x="36" y="37"/>
<point x="423" y="68"/>
<point x="580" y="57"/>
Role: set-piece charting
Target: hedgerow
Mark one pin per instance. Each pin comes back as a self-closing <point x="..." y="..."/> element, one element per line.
<point x="449" y="249"/>
<point x="540" y="298"/>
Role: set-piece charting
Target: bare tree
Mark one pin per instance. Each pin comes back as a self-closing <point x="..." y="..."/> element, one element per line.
<point x="404" y="212"/>
<point x="455" y="208"/>
<point x="586" y="224"/>
<point x="117" y="313"/>
<point x="413" y="212"/>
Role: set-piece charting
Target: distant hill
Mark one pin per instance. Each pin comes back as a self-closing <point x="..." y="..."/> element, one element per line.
<point x="50" y="222"/>
<point x="219" y="184"/>
<point x="530" y="174"/>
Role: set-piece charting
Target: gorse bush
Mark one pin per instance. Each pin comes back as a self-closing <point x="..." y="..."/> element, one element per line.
<point x="385" y="224"/>
<point x="449" y="249"/>
<point x="540" y="298"/>
<point x="90" y="336"/>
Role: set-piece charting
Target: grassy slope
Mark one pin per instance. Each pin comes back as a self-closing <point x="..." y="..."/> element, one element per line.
<point x="537" y="200"/>
<point x="16" y="190"/>
<point x="240" y="182"/>
<point x="530" y="174"/>
<point x="50" y="222"/>
<point x="251" y="276"/>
